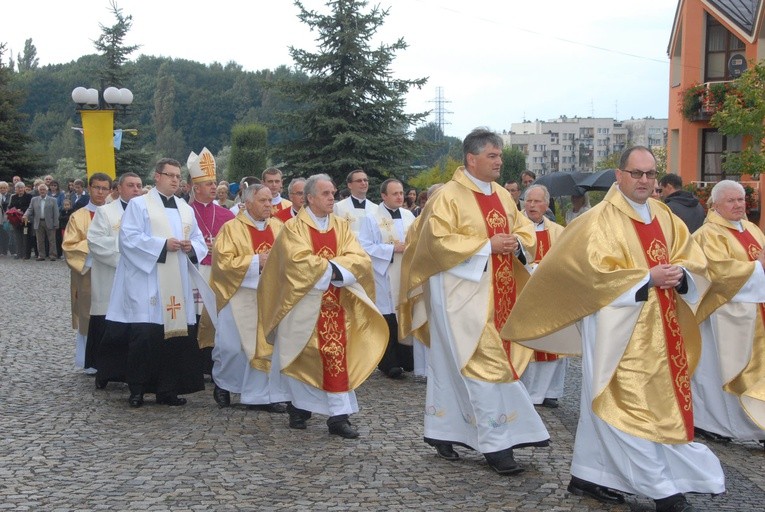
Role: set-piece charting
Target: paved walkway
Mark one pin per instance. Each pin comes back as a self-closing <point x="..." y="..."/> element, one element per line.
<point x="67" y="446"/>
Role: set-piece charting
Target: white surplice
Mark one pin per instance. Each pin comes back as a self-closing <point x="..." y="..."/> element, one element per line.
<point x="136" y="296"/>
<point x="347" y="211"/>
<point x="103" y="246"/>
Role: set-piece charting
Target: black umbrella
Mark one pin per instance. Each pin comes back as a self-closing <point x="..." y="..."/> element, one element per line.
<point x="601" y="180"/>
<point x="560" y="183"/>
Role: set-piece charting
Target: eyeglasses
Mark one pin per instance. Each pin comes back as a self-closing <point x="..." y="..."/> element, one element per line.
<point x="170" y="175"/>
<point x="639" y="174"/>
<point x="360" y="180"/>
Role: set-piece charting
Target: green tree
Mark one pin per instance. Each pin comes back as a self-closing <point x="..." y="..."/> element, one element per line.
<point x="439" y="173"/>
<point x="743" y="114"/>
<point x="111" y="45"/>
<point x="28" y="59"/>
<point x="15" y="154"/>
<point x="169" y="141"/>
<point x="611" y="161"/>
<point x="434" y="145"/>
<point x="351" y="111"/>
<point x="513" y="164"/>
<point x="248" y="151"/>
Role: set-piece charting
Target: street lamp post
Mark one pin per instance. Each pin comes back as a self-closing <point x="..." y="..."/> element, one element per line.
<point x="97" y="112"/>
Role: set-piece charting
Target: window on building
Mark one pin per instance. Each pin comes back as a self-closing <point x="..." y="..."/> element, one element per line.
<point x="721" y="44"/>
<point x="713" y="146"/>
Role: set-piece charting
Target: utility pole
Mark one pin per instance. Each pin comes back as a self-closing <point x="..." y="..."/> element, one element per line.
<point x="440" y="112"/>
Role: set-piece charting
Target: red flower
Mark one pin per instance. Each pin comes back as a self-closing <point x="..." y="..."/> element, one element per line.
<point x="14" y="216"/>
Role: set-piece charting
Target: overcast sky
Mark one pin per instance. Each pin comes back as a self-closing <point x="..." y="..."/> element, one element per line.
<point x="498" y="61"/>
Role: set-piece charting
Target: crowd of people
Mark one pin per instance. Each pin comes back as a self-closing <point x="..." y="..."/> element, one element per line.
<point x="472" y="287"/>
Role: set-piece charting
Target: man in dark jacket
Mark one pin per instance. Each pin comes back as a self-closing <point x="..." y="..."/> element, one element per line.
<point x="681" y="202"/>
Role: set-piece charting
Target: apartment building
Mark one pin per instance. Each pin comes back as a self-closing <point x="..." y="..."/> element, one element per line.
<point x="579" y="143"/>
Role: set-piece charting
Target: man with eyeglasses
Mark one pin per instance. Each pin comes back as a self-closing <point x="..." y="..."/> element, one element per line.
<point x="632" y="276"/>
<point x="295" y="191"/>
<point x="75" y="247"/>
<point x="160" y="241"/>
<point x="356" y="206"/>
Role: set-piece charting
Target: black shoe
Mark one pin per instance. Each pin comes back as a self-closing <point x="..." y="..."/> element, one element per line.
<point x="446" y="451"/>
<point x="551" y="403"/>
<point x="676" y="503"/>
<point x="343" y="429"/>
<point x="298" y="423"/>
<point x="581" y="487"/>
<point x="395" y="373"/>
<point x="222" y="397"/>
<point x="135" y="400"/>
<point x="503" y="462"/>
<point x="171" y="400"/>
<point x="711" y="436"/>
<point x="101" y="383"/>
<point x="277" y="408"/>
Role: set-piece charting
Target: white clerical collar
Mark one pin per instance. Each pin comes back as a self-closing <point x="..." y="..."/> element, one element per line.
<point x="359" y="199"/>
<point x="641" y="209"/>
<point x="259" y="224"/>
<point x="204" y="205"/>
<point x="277" y="199"/>
<point x="91" y="207"/>
<point x="735" y="224"/>
<point x="538" y="226"/>
<point x="321" y="222"/>
<point x="163" y="195"/>
<point x="483" y="186"/>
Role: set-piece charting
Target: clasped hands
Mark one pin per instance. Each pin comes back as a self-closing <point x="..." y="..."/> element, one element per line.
<point x="173" y="245"/>
<point x="504" y="243"/>
<point x="666" y="276"/>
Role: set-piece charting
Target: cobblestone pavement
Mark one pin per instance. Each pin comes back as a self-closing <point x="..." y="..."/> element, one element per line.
<point x="67" y="446"/>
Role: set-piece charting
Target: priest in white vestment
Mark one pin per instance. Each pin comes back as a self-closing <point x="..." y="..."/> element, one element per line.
<point x="107" y="342"/>
<point x="382" y="236"/>
<point x="629" y="270"/>
<point x="153" y="291"/>
<point x="464" y="265"/>
<point x="729" y="383"/>
<point x="355" y="206"/>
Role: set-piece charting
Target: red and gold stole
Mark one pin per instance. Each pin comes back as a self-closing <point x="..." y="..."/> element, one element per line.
<point x="276" y="208"/>
<point x="753" y="249"/>
<point x="543" y="246"/>
<point x="284" y="214"/>
<point x="92" y="214"/>
<point x="262" y="241"/>
<point x="330" y="326"/>
<point x="502" y="278"/>
<point x="656" y="253"/>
